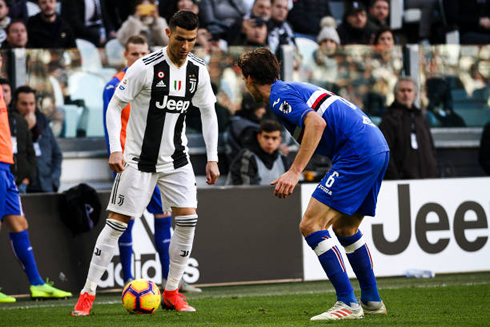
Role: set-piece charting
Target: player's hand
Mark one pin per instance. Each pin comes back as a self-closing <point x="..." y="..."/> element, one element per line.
<point x="116" y="162"/>
<point x="212" y="172"/>
<point x="285" y="184"/>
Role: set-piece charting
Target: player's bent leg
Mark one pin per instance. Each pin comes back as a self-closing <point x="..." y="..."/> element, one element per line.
<point x="314" y="224"/>
<point x="351" y="238"/>
<point x="104" y="251"/>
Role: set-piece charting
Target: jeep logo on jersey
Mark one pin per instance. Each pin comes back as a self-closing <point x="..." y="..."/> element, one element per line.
<point x="285" y="107"/>
<point x="173" y="104"/>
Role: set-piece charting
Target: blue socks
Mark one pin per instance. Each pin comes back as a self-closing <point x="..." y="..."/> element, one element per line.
<point x="333" y="264"/>
<point x="23" y="251"/>
<point x="362" y="264"/>
<point x="126" y="251"/>
<point x="162" y="242"/>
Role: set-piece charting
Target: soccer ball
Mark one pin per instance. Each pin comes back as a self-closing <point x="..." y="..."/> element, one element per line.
<point x="141" y="296"/>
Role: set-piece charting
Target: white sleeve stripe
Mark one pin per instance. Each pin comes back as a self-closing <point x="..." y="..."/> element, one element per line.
<point x="327" y="104"/>
<point x="354" y="246"/>
<point x="313" y="97"/>
<point x="324" y="246"/>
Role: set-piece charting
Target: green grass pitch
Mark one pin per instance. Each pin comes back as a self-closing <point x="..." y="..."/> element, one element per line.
<point x="446" y="300"/>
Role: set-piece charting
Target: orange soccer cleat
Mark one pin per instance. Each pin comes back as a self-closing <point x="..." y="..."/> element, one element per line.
<point x="173" y="300"/>
<point x="84" y="305"/>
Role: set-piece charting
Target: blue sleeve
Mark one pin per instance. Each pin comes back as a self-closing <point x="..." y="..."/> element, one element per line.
<point x="107" y="96"/>
<point x="290" y="107"/>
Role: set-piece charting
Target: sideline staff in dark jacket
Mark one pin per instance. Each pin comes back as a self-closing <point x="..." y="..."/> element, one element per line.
<point x="25" y="165"/>
<point x="48" y="153"/>
<point x="408" y="135"/>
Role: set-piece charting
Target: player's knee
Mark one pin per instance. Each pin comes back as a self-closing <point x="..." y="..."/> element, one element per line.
<point x="308" y="227"/>
<point x="344" y="230"/>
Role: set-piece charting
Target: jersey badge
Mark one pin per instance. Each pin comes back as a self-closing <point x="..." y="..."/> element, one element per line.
<point x="276" y="102"/>
<point x="193" y="83"/>
<point x="161" y="74"/>
<point x="285" y="107"/>
<point x="160" y="84"/>
<point x="122" y="88"/>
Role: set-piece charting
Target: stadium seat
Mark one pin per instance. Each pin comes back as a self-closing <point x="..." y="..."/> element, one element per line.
<point x="32" y="9"/>
<point x="89" y="88"/>
<point x="306" y="47"/>
<point x="71" y="113"/>
<point x="337" y="10"/>
<point x="115" y="53"/>
<point x="91" y="61"/>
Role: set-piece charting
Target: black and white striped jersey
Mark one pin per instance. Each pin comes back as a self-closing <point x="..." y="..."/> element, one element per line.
<point x="160" y="94"/>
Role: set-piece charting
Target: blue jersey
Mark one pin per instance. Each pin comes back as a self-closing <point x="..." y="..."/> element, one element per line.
<point x="349" y="132"/>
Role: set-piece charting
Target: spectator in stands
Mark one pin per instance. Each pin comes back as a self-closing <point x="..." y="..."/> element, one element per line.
<point x="354" y="29"/>
<point x="260" y="9"/>
<point x="18" y="10"/>
<point x="484" y="153"/>
<point x="176" y="5"/>
<point x="4" y="20"/>
<point x="472" y="18"/>
<point x="222" y="18"/>
<point x="306" y="15"/>
<point x="379" y="10"/>
<point x="326" y="69"/>
<point x="16" y="35"/>
<point x="244" y="126"/>
<point x="25" y="165"/>
<point x="48" y="153"/>
<point x="48" y="30"/>
<point x="254" y="34"/>
<point x="11" y="215"/>
<point x="89" y="20"/>
<point x="261" y="163"/>
<point x="426" y="7"/>
<point x="384" y="38"/>
<point x="280" y="32"/>
<point x="408" y="135"/>
<point x="145" y="21"/>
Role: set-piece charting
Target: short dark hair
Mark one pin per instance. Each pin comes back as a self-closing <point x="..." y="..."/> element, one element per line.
<point x="184" y="19"/>
<point x="4" y="81"/>
<point x="270" y="125"/>
<point x="22" y="89"/>
<point x="261" y="65"/>
<point x="15" y="21"/>
<point x="135" y="39"/>
<point x="382" y="30"/>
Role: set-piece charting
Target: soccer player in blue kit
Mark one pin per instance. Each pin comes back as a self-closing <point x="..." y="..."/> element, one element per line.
<point x="327" y="124"/>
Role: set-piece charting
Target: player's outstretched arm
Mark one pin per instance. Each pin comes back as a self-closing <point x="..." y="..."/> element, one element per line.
<point x="314" y="126"/>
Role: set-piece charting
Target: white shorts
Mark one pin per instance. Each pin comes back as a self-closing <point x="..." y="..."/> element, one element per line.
<point x="132" y="190"/>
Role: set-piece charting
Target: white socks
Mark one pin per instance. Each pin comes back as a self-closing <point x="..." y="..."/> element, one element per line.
<point x="103" y="253"/>
<point x="180" y="249"/>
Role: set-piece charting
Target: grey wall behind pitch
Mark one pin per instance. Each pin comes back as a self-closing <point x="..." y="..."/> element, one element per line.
<point x="243" y="234"/>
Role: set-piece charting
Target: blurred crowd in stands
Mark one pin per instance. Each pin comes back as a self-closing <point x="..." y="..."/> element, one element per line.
<point x="348" y="47"/>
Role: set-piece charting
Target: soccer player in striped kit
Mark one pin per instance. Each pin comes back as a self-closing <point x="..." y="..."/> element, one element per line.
<point x="327" y="124"/>
<point x="160" y="88"/>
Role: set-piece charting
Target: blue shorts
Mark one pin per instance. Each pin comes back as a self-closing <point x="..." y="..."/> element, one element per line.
<point x="352" y="185"/>
<point x="9" y="194"/>
<point x="155" y="205"/>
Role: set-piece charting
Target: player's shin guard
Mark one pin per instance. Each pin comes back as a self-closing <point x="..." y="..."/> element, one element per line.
<point x="103" y="253"/>
<point x="333" y="264"/>
<point x="126" y="251"/>
<point x="180" y="249"/>
<point x="362" y="264"/>
<point x="23" y="251"/>
<point x="162" y="242"/>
